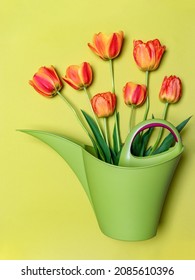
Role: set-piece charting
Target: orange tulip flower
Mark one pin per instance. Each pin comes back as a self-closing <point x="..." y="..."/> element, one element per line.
<point x="171" y="90"/>
<point x="46" y="81"/>
<point x="104" y="104"/>
<point x="79" y="76"/>
<point x="148" y="55"/>
<point x="107" y="46"/>
<point x="134" y="94"/>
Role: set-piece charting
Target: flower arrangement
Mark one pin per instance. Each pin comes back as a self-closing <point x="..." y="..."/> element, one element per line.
<point x="147" y="57"/>
<point x="127" y="201"/>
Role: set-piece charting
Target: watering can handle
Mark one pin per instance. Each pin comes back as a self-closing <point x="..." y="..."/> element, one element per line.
<point x="127" y="159"/>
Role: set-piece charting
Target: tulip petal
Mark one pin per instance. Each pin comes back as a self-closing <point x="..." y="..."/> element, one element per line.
<point x="79" y="76"/>
<point x="107" y="46"/>
<point x="85" y="74"/>
<point x="94" y="50"/>
<point x="134" y="94"/>
<point x="46" y="81"/>
<point x="115" y="45"/>
<point x="100" y="42"/>
<point x="37" y="89"/>
<point x="72" y="77"/>
<point x="72" y="74"/>
<point x="70" y="83"/>
<point x="148" y="55"/>
<point x="138" y="97"/>
<point x="104" y="104"/>
<point x="51" y="72"/>
<point x="43" y="83"/>
<point x="141" y="56"/>
<point x="171" y="89"/>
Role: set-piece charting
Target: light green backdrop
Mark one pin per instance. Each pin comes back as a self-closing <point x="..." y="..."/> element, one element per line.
<point x="44" y="213"/>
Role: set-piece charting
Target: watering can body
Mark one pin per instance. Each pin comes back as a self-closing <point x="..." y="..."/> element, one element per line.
<point x="127" y="200"/>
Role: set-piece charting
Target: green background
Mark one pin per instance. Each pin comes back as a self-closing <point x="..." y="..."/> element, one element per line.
<point x="44" y="213"/>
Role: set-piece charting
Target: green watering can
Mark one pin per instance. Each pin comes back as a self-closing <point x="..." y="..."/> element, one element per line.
<point x="127" y="199"/>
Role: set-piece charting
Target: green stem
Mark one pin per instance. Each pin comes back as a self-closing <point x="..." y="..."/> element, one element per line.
<point x="131" y="117"/>
<point x="106" y="131"/>
<point x="115" y="112"/>
<point x="75" y="112"/>
<point x="81" y="123"/>
<point x="117" y="131"/>
<point x="95" y="117"/>
<point x="148" y="98"/>
<point x="161" y="129"/>
<point x="112" y="75"/>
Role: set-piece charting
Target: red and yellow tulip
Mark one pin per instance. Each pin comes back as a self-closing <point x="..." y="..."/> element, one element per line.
<point x="46" y="81"/>
<point x="171" y="89"/>
<point x="79" y="76"/>
<point x="107" y="46"/>
<point x="148" y="55"/>
<point x="104" y="104"/>
<point x="134" y="94"/>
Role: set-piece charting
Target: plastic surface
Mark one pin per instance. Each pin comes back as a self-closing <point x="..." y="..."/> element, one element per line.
<point x="127" y="201"/>
<point x="127" y="159"/>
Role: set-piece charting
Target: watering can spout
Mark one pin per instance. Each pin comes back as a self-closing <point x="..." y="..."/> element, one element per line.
<point x="69" y="150"/>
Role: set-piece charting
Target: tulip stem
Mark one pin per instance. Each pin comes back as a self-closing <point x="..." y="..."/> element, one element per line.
<point x="148" y="98"/>
<point x="131" y="117"/>
<point x="161" y="129"/>
<point x="112" y="75"/>
<point x="86" y="91"/>
<point x="80" y="121"/>
<point x="74" y="111"/>
<point x="115" y="112"/>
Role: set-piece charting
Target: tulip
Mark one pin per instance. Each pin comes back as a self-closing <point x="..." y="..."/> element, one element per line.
<point x="104" y="104"/>
<point x="148" y="55"/>
<point x="79" y="76"/>
<point x="107" y="46"/>
<point x="170" y="93"/>
<point x="46" y="81"/>
<point x="171" y="90"/>
<point x="134" y="94"/>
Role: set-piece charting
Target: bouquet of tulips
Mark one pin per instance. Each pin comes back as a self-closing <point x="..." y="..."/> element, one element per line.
<point x="147" y="56"/>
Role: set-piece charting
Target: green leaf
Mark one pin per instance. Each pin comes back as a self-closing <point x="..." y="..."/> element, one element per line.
<point x="137" y="145"/>
<point x="169" y="140"/>
<point x="101" y="143"/>
<point x="114" y="136"/>
<point x="115" y="156"/>
<point x="140" y="142"/>
<point x="97" y="152"/>
<point x="147" y="152"/>
<point x="145" y="139"/>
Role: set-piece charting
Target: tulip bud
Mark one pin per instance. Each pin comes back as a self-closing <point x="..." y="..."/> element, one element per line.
<point x="104" y="104"/>
<point x="107" y="46"/>
<point x="79" y="76"/>
<point x="134" y="94"/>
<point x="148" y="55"/>
<point x="46" y="81"/>
<point x="171" y="90"/>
